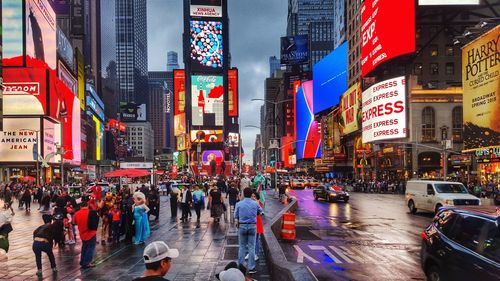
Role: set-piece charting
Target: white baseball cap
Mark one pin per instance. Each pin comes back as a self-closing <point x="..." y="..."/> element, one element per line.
<point x="157" y="251"/>
<point x="232" y="274"/>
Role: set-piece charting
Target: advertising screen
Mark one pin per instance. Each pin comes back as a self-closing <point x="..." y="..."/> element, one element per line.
<point x="12" y="29"/>
<point x="207" y="136"/>
<point x="207" y="100"/>
<point x="65" y="75"/>
<point x="206" y="47"/>
<point x="64" y="49"/>
<point x="448" y="2"/>
<point x="232" y="92"/>
<point x="350" y="106"/>
<point x="24" y="91"/>
<point x="294" y="49"/>
<point x="481" y="97"/>
<point x="330" y="79"/>
<point x="179" y="91"/>
<point x="209" y="155"/>
<point x="308" y="136"/>
<point x="384" y="110"/>
<point x="179" y="124"/>
<point x="51" y="137"/>
<point x="233" y="139"/>
<point x="81" y="78"/>
<point x="387" y="31"/>
<point x="18" y="139"/>
<point x="206" y="8"/>
<point x="41" y="40"/>
<point x="131" y="112"/>
<point x="287" y="151"/>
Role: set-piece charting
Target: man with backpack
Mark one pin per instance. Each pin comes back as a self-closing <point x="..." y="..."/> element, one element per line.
<point x="87" y="222"/>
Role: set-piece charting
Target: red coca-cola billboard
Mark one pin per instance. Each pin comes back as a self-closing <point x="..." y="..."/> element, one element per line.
<point x="387" y="31"/>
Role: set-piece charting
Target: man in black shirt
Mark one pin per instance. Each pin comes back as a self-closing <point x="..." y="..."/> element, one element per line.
<point x="157" y="259"/>
<point x="232" y="193"/>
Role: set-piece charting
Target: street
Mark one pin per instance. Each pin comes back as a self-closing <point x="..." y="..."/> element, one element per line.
<point x="373" y="237"/>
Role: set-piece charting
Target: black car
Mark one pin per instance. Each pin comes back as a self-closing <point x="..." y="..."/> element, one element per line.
<point x="462" y="244"/>
<point x="331" y="193"/>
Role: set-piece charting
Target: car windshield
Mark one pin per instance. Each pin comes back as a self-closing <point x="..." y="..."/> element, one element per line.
<point x="450" y="188"/>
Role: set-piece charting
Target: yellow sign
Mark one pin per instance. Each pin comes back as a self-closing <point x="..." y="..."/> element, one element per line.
<point x="350" y="104"/>
<point x="81" y="78"/>
<point x="481" y="98"/>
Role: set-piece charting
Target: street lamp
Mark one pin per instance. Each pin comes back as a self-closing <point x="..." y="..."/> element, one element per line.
<point x="36" y="153"/>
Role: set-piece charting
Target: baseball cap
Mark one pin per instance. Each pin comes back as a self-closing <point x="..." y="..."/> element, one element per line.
<point x="231" y="274"/>
<point x="157" y="251"/>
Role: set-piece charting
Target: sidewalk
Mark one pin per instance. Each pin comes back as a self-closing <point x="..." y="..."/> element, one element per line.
<point x="204" y="251"/>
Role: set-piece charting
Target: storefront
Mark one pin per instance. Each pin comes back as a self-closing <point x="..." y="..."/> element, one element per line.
<point x="488" y="165"/>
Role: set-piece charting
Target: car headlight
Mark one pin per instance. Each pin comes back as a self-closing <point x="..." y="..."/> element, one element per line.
<point x="448" y="202"/>
<point x="347" y="194"/>
<point x="333" y="194"/>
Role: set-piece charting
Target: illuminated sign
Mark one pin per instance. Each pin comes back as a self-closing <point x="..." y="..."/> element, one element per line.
<point x="206" y="8"/>
<point x="81" y="78"/>
<point x="179" y="91"/>
<point x="24" y="91"/>
<point x="67" y="78"/>
<point x="350" y="106"/>
<point x="448" y="2"/>
<point x="384" y="110"/>
<point x="64" y="49"/>
<point x="308" y="135"/>
<point x="206" y="46"/>
<point x="12" y="29"/>
<point x="41" y="42"/>
<point x="18" y="139"/>
<point x="232" y="92"/>
<point x="208" y="155"/>
<point x="207" y="136"/>
<point x="51" y="137"/>
<point x="207" y="100"/>
<point x="179" y="124"/>
<point x="233" y="139"/>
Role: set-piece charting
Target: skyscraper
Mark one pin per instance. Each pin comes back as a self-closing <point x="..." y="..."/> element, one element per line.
<point x="131" y="50"/>
<point x="172" y="61"/>
<point x="160" y="106"/>
<point x="274" y="64"/>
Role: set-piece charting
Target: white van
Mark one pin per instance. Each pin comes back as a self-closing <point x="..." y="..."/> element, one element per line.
<point x="432" y="195"/>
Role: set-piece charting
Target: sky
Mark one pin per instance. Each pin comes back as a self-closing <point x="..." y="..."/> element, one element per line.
<point x="255" y="30"/>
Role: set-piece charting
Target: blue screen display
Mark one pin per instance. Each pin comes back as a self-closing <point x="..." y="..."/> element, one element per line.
<point x="330" y="79"/>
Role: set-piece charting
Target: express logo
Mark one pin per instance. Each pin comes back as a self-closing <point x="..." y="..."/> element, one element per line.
<point x="21" y="88"/>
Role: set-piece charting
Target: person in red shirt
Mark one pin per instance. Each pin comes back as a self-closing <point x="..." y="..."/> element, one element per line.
<point x="97" y="192"/>
<point x="259" y="226"/>
<point x="115" y="215"/>
<point x="87" y="233"/>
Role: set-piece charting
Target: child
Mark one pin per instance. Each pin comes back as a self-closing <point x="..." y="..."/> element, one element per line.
<point x="68" y="225"/>
<point x="115" y="215"/>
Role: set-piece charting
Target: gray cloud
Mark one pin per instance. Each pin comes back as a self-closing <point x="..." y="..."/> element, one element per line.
<point x="255" y="28"/>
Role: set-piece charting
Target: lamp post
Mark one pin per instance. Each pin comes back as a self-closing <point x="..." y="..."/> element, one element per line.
<point x="262" y="147"/>
<point x="36" y="153"/>
<point x="64" y="114"/>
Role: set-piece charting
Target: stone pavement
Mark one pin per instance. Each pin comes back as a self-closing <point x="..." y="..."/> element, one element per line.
<point x="203" y="251"/>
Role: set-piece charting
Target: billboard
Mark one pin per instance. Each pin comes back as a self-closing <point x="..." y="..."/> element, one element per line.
<point x="51" y="137"/>
<point x="67" y="77"/>
<point x="64" y="49"/>
<point x="232" y="92"/>
<point x="207" y="100"/>
<point x="207" y="136"/>
<point x="179" y="91"/>
<point x="179" y="124"/>
<point x="206" y="8"/>
<point x="384" y="110"/>
<point x="387" y="31"/>
<point x="18" y="138"/>
<point x="41" y="42"/>
<point x="330" y="79"/>
<point x="81" y="78"/>
<point x="233" y="139"/>
<point x="12" y="30"/>
<point x="209" y="155"/>
<point x="24" y="91"/>
<point x="294" y="49"/>
<point x="448" y="2"/>
<point x="132" y="112"/>
<point x="481" y="97"/>
<point x="308" y="135"/>
<point x="350" y="106"/>
<point x="206" y="45"/>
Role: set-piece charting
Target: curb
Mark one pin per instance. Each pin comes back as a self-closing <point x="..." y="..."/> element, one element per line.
<point x="281" y="269"/>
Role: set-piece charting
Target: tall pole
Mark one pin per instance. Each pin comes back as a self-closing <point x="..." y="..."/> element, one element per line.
<point x="240" y="160"/>
<point x="37" y="158"/>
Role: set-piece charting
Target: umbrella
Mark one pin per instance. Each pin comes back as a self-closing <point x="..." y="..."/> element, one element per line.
<point x="15" y="177"/>
<point x="128" y="173"/>
<point x="28" y="178"/>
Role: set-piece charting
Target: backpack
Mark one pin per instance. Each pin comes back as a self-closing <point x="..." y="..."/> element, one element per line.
<point x="93" y="220"/>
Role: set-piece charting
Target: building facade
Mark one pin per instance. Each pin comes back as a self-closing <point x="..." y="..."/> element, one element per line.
<point x="159" y="109"/>
<point x="274" y="64"/>
<point x="140" y="137"/>
<point x="172" y="61"/>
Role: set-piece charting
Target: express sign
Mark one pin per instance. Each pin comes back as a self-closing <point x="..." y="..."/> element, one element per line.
<point x="387" y="31"/>
<point x="384" y="110"/>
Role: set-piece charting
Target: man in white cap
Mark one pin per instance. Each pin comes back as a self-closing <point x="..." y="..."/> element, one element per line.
<point x="231" y="274"/>
<point x="158" y="259"/>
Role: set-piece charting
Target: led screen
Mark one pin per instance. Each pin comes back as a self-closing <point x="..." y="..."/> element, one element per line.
<point x="12" y="30"/>
<point x="41" y="40"/>
<point x="179" y="124"/>
<point x="209" y="155"/>
<point x="232" y="92"/>
<point x="308" y="137"/>
<point x="448" y="2"/>
<point x="387" y="31"/>
<point x="18" y="139"/>
<point x="206" y="8"/>
<point x="179" y="91"/>
<point x="330" y="79"/>
<point x="384" y="110"/>
<point x="65" y="75"/>
<point x="206" y="47"/>
<point x="207" y="136"/>
<point x="350" y="106"/>
<point x="294" y="49"/>
<point x="24" y="91"/>
<point x="51" y="136"/>
<point x="131" y="112"/>
<point x="233" y="139"/>
<point x="207" y="100"/>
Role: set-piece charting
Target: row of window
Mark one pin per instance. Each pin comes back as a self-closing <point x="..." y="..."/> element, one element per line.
<point x="449" y="68"/>
<point x="429" y="125"/>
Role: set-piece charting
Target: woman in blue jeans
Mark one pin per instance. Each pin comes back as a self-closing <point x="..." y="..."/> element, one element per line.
<point x="44" y="238"/>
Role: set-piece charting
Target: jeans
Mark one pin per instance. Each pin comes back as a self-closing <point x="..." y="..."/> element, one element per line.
<point x="115" y="230"/>
<point x="87" y="252"/>
<point x="197" y="209"/>
<point x="38" y="248"/>
<point x="246" y="236"/>
<point x="257" y="244"/>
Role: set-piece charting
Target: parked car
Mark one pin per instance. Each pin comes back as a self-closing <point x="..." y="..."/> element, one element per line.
<point x="432" y="195"/>
<point x="331" y="193"/>
<point x="312" y="183"/>
<point x="297" y="183"/>
<point x="462" y="243"/>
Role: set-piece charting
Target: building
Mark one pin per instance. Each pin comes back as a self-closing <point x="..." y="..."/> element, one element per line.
<point x="172" y="61"/>
<point x="131" y="50"/>
<point x="274" y="64"/>
<point x="258" y="152"/>
<point x="159" y="109"/>
<point x="108" y="72"/>
<point x="302" y="12"/>
<point x="140" y="138"/>
<point x="354" y="48"/>
<point x="321" y="36"/>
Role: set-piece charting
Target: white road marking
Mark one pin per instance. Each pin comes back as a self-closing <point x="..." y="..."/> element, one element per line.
<point x="301" y="255"/>
<point x="327" y="252"/>
<point x="340" y="253"/>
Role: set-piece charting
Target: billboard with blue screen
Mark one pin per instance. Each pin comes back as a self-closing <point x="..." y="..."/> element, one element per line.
<point x="330" y="79"/>
<point x="307" y="134"/>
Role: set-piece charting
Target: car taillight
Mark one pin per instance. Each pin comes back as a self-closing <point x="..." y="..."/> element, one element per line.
<point x="424" y="235"/>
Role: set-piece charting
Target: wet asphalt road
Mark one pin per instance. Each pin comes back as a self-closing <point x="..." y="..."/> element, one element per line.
<point x="373" y="237"/>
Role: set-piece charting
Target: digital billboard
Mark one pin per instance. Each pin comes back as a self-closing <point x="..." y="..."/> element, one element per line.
<point x="232" y="92"/>
<point x="481" y="97"/>
<point x="207" y="100"/>
<point x="80" y="69"/>
<point x="18" y="139"/>
<point x="233" y="139"/>
<point x="67" y="77"/>
<point x="448" y="2"/>
<point x="350" y="106"/>
<point x="24" y="91"/>
<point x="387" y="31"/>
<point x="384" y="110"/>
<point x="51" y="136"/>
<point x="330" y="79"/>
<point x="179" y="91"/>
<point x="206" y="8"/>
<point x="41" y="42"/>
<point x="208" y="155"/>
<point x="294" y="49"/>
<point x="179" y="124"/>
<point x="206" y="45"/>
<point x="64" y="49"/>
<point x="308" y="136"/>
<point x="132" y="112"/>
<point x="12" y="30"/>
<point x="207" y="136"/>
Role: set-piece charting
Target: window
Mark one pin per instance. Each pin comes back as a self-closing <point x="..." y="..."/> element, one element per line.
<point x="428" y="124"/>
<point x="449" y="50"/>
<point x="450" y="68"/>
<point x="467" y="232"/>
<point x="491" y="246"/>
<point x="417" y="69"/>
<point x="434" y="69"/>
<point x="457" y="123"/>
<point x="444" y="221"/>
<point x="433" y="50"/>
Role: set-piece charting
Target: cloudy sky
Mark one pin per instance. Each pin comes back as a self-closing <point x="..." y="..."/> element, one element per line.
<point x="255" y="28"/>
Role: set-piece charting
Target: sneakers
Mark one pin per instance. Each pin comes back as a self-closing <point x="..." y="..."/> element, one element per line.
<point x="252" y="271"/>
<point x="256" y="257"/>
